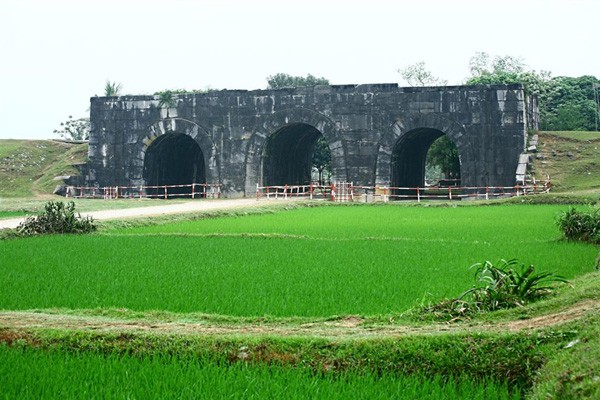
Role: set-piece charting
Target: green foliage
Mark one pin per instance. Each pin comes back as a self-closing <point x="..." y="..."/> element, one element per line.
<point x="418" y="75"/>
<point x="570" y="103"/>
<point x="56" y="218"/>
<point x="112" y="88"/>
<point x="444" y="154"/>
<point x="166" y="99"/>
<point x="207" y="89"/>
<point x="566" y="103"/>
<point x="282" y="80"/>
<point x="580" y="225"/>
<point x="506" y="285"/>
<point x="500" y="286"/>
<point x="321" y="159"/>
<point x="74" y="129"/>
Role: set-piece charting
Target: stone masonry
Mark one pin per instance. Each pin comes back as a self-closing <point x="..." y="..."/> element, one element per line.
<point x="377" y="133"/>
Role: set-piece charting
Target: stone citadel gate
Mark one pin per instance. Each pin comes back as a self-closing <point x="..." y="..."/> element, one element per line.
<point x="378" y="135"/>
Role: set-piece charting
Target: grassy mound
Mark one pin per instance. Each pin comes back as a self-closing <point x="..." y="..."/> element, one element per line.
<point x="571" y="159"/>
<point x="28" y="167"/>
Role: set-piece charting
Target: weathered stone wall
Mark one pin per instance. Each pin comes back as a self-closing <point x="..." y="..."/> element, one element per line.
<point x="362" y="124"/>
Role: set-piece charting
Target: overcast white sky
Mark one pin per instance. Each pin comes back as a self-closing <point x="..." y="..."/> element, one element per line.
<point x="56" y="54"/>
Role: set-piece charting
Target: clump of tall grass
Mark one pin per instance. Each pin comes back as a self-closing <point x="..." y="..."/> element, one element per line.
<point x="56" y="218"/>
<point x="580" y="225"/>
<point x="504" y="285"/>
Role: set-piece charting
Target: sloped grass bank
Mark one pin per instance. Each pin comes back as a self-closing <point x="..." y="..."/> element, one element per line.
<point x="28" y="167"/>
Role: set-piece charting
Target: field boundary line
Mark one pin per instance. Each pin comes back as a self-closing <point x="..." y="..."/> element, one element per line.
<point x="350" y="327"/>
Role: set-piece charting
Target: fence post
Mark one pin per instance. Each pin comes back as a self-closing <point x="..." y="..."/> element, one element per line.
<point x="418" y="195"/>
<point x="165" y="192"/>
<point x="450" y="192"/>
<point x="487" y="197"/>
<point x="311" y="191"/>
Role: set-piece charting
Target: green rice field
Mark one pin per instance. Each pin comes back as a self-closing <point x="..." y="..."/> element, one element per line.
<point x="323" y="261"/>
<point x="26" y="374"/>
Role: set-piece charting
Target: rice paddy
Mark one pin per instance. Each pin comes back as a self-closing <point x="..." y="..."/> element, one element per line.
<point x="25" y="374"/>
<point x="364" y="260"/>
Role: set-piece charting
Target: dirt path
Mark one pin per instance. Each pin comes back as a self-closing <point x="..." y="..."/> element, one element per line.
<point x="348" y="328"/>
<point x="176" y="208"/>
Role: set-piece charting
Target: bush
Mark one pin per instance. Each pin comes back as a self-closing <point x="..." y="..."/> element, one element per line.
<point x="580" y="225"/>
<point x="56" y="218"/>
<point x="497" y="287"/>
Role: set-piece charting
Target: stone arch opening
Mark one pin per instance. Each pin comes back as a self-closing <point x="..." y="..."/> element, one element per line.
<point x="173" y="159"/>
<point x="289" y="155"/>
<point x="410" y="155"/>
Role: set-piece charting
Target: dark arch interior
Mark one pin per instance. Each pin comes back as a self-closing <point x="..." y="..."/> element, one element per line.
<point x="288" y="156"/>
<point x="174" y="159"/>
<point x="410" y="155"/>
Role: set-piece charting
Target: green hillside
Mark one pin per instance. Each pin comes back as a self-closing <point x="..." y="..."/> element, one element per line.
<point x="571" y="159"/>
<point x="28" y="167"/>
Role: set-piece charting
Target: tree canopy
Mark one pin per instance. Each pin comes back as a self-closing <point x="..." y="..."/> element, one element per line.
<point x="566" y="103"/>
<point x="418" y="75"/>
<point x="282" y="80"/>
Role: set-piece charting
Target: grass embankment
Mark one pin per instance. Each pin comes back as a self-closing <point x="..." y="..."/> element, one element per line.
<point x="571" y="159"/>
<point x="28" y="167"/>
<point x="305" y="262"/>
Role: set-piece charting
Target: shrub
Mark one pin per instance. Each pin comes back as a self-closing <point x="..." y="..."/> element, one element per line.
<point x="580" y="225"/>
<point x="507" y="286"/>
<point x="56" y="218"/>
<point x="497" y="287"/>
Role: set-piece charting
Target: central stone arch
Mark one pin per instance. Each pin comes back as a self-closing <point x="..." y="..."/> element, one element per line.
<point x="403" y="148"/>
<point x="177" y="151"/>
<point x="279" y="148"/>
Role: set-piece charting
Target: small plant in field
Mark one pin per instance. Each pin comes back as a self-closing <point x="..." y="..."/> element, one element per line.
<point x="507" y="285"/>
<point x="580" y="225"/>
<point x="504" y="285"/>
<point x="56" y="218"/>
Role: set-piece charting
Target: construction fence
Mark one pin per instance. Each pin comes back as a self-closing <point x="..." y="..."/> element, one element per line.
<point x="348" y="192"/>
<point x="193" y="191"/>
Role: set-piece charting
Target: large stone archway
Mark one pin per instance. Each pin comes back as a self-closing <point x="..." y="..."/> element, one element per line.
<point x="182" y="134"/>
<point x="403" y="148"/>
<point x="293" y="124"/>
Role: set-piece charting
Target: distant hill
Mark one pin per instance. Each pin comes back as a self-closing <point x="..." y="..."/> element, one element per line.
<point x="28" y="167"/>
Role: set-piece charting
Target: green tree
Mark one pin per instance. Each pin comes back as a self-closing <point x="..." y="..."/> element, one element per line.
<point x="112" y="89"/>
<point x="418" y="75"/>
<point x="284" y="80"/>
<point x="166" y="99"/>
<point x="74" y="129"/>
<point x="566" y="103"/>
<point x="443" y="154"/>
<point x="321" y="159"/>
<point x="571" y="104"/>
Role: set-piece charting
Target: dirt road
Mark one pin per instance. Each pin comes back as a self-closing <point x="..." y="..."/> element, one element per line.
<point x="175" y="208"/>
<point x="348" y="327"/>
